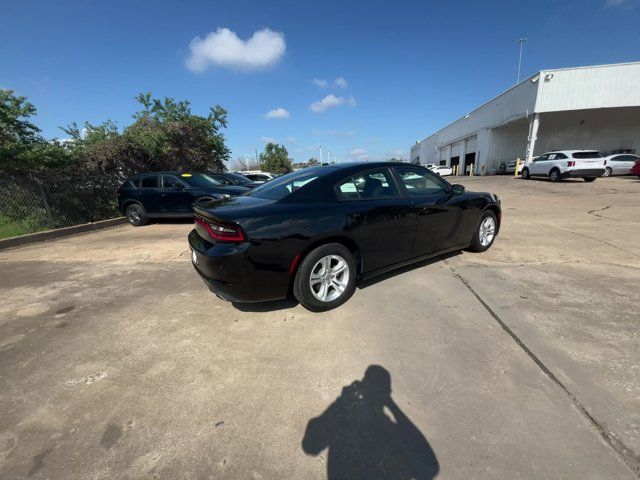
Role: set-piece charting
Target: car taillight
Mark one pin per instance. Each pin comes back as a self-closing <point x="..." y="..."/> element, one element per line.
<point x="221" y="232"/>
<point x="571" y="163"/>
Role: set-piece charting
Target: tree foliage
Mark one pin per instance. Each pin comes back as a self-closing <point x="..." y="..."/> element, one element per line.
<point x="275" y="159"/>
<point x="165" y="135"/>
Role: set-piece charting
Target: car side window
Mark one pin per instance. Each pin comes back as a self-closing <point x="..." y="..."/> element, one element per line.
<point x="149" y="182"/>
<point x="221" y="178"/>
<point x="367" y="185"/>
<point x="169" y="181"/>
<point x="542" y="158"/>
<point x="560" y="156"/>
<point x="420" y="183"/>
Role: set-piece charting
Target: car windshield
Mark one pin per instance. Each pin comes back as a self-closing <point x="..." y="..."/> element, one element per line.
<point x="238" y="178"/>
<point x="280" y="187"/>
<point x="199" y="180"/>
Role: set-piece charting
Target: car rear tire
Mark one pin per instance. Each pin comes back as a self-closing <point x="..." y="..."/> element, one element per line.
<point x="554" y="175"/>
<point x="607" y="172"/>
<point x="326" y="278"/>
<point x="589" y="179"/>
<point x="525" y="174"/>
<point x="485" y="233"/>
<point x="137" y="215"/>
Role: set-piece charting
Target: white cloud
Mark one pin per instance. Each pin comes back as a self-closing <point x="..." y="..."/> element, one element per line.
<point x="268" y="139"/>
<point x="291" y="140"/>
<point x="277" y="114"/>
<point x="223" y="48"/>
<point x="359" y="154"/>
<point x="339" y="82"/>
<point x="331" y="101"/>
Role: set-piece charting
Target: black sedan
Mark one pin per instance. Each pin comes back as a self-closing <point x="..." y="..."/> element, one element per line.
<point x="230" y="179"/>
<point x="169" y="194"/>
<point x="317" y="231"/>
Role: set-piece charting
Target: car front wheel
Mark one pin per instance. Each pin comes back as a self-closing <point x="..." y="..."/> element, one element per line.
<point x="525" y="174"/>
<point x="137" y="215"/>
<point x="326" y="278"/>
<point x="589" y="179"/>
<point x="486" y="232"/>
<point x="607" y="172"/>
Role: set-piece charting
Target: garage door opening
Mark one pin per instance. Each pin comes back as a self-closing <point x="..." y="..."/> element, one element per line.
<point x="469" y="161"/>
<point x="454" y="161"/>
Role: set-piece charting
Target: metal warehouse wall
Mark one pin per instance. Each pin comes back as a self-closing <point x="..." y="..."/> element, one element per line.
<point x="511" y="105"/>
<point x="603" y="86"/>
<point x="507" y="143"/>
<point x="600" y="129"/>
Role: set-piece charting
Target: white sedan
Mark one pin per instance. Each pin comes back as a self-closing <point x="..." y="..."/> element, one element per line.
<point x="619" y="164"/>
<point x="441" y="170"/>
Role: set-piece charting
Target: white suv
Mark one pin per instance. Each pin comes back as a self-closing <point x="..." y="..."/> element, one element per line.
<point x="586" y="164"/>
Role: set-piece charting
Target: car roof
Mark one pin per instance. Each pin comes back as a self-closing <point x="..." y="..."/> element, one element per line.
<point x="168" y="172"/>
<point x="571" y="151"/>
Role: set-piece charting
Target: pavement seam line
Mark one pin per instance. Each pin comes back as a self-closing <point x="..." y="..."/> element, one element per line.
<point x="625" y="453"/>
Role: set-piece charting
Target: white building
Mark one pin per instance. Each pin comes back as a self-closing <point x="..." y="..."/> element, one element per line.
<point x="571" y="108"/>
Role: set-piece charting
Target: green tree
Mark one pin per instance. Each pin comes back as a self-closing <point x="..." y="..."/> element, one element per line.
<point x="275" y="159"/>
<point x="313" y="161"/>
<point x="22" y="148"/>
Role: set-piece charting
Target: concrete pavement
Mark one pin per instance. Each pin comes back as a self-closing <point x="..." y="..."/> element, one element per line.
<point x="116" y="361"/>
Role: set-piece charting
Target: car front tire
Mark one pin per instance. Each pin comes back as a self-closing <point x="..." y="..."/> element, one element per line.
<point x="554" y="175"/>
<point x="326" y="278"/>
<point x="589" y="179"/>
<point x="607" y="172"/>
<point x="485" y="233"/>
<point x="137" y="215"/>
<point x="525" y="174"/>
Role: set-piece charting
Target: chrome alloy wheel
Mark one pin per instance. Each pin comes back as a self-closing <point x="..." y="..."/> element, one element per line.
<point x="134" y="215"/>
<point x="487" y="231"/>
<point x="329" y="278"/>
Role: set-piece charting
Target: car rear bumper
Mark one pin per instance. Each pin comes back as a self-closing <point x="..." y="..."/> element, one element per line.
<point x="583" y="172"/>
<point x="229" y="272"/>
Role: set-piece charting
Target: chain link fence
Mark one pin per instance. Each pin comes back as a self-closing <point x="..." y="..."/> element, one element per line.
<point x="30" y="204"/>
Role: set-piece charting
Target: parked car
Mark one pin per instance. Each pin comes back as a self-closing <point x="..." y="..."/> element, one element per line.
<point x="257" y="176"/>
<point x="317" y="231"/>
<point x="558" y="165"/>
<point x="168" y="194"/>
<point x="635" y="170"/>
<point x="619" y="164"/>
<point x="230" y="179"/>
<point x="441" y="170"/>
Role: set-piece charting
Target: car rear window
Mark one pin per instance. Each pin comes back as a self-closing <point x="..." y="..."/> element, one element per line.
<point x="580" y="155"/>
<point x="283" y="186"/>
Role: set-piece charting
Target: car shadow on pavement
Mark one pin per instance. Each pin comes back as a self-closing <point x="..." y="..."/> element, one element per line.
<point x="269" y="306"/>
<point x="366" y="442"/>
<point x="399" y="271"/>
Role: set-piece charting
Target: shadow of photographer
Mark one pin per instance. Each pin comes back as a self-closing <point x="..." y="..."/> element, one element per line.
<point x="363" y="441"/>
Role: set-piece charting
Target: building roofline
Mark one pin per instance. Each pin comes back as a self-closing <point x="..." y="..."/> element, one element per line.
<point x="538" y="73"/>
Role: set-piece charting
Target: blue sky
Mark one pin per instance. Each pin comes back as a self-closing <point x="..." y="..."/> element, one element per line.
<point x="404" y="68"/>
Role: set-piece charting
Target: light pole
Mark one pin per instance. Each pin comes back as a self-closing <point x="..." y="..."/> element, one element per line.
<point x="520" y="42"/>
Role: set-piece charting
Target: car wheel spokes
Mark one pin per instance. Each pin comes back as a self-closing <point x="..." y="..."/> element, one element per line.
<point x="329" y="278"/>
<point x="487" y="231"/>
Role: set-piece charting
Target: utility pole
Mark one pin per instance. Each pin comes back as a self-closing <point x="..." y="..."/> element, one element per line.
<point x="520" y="42"/>
<point x="328" y="155"/>
<point x="320" y="154"/>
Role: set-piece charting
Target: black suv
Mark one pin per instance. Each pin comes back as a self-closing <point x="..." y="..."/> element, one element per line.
<point x="169" y="194"/>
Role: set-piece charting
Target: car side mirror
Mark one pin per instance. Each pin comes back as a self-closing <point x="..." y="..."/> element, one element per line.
<point x="457" y="189"/>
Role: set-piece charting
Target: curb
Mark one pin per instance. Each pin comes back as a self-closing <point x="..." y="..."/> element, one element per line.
<point x="60" y="232"/>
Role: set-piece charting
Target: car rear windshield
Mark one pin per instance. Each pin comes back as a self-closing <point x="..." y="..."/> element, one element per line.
<point x="586" y="155"/>
<point x="285" y="185"/>
<point x="199" y="180"/>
